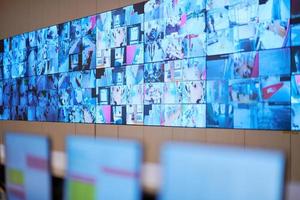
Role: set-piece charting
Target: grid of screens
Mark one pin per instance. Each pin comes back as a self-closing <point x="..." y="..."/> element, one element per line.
<point x="187" y="63"/>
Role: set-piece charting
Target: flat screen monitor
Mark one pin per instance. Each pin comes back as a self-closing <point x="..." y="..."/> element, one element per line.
<point x="210" y="173"/>
<point x="27" y="162"/>
<point x="102" y="169"/>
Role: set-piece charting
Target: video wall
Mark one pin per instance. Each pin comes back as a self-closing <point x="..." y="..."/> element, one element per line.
<point x="181" y="63"/>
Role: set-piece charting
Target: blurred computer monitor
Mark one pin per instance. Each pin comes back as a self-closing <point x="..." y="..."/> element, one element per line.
<point x="214" y="173"/>
<point x="27" y="164"/>
<point x="102" y="169"/>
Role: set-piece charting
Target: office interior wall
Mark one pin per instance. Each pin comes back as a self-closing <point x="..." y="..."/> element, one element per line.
<point x="18" y="16"/>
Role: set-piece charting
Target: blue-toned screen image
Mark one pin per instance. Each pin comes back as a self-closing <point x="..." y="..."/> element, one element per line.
<point x="274" y="62"/>
<point x="184" y="63"/>
<point x="27" y="167"/>
<point x="295" y="34"/>
<point x="104" y="165"/>
<point x="245" y="90"/>
<point x="295" y="19"/>
<point x="186" y="173"/>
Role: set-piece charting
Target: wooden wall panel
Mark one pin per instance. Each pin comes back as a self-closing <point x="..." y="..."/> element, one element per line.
<point x="2" y="125"/>
<point x="104" y="5"/>
<point x="189" y="135"/>
<point x="85" y="129"/>
<point x="271" y="140"/>
<point x="154" y="138"/>
<point x="107" y="131"/>
<point x="67" y="10"/>
<point x="5" y="128"/>
<point x="267" y="139"/>
<point x="51" y="12"/>
<point x="295" y="157"/>
<point x="21" y="22"/>
<point x="131" y="132"/>
<point x="36" y="14"/>
<point x="3" y="18"/>
<point x="128" y="2"/>
<point x="225" y="137"/>
<point x="86" y="7"/>
<point x="11" y="19"/>
<point x="7" y="18"/>
<point x="58" y="132"/>
<point x="23" y="127"/>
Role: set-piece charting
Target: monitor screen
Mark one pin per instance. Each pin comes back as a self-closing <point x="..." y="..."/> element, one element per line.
<point x="245" y="90"/>
<point x="295" y="88"/>
<point x="206" y="172"/>
<point x="27" y="162"/>
<point x="295" y="21"/>
<point x="103" y="169"/>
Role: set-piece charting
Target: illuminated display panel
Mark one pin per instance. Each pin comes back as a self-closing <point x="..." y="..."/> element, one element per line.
<point x="295" y="65"/>
<point x="187" y="173"/>
<point x="221" y="64"/>
<point x="27" y="169"/>
<point x="97" y="168"/>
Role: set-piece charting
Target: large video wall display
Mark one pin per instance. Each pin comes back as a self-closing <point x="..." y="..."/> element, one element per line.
<point x="183" y="63"/>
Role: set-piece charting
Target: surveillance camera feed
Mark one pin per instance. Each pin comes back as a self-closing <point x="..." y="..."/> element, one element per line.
<point x="27" y="167"/>
<point x="185" y="63"/>
<point x="102" y="169"/>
